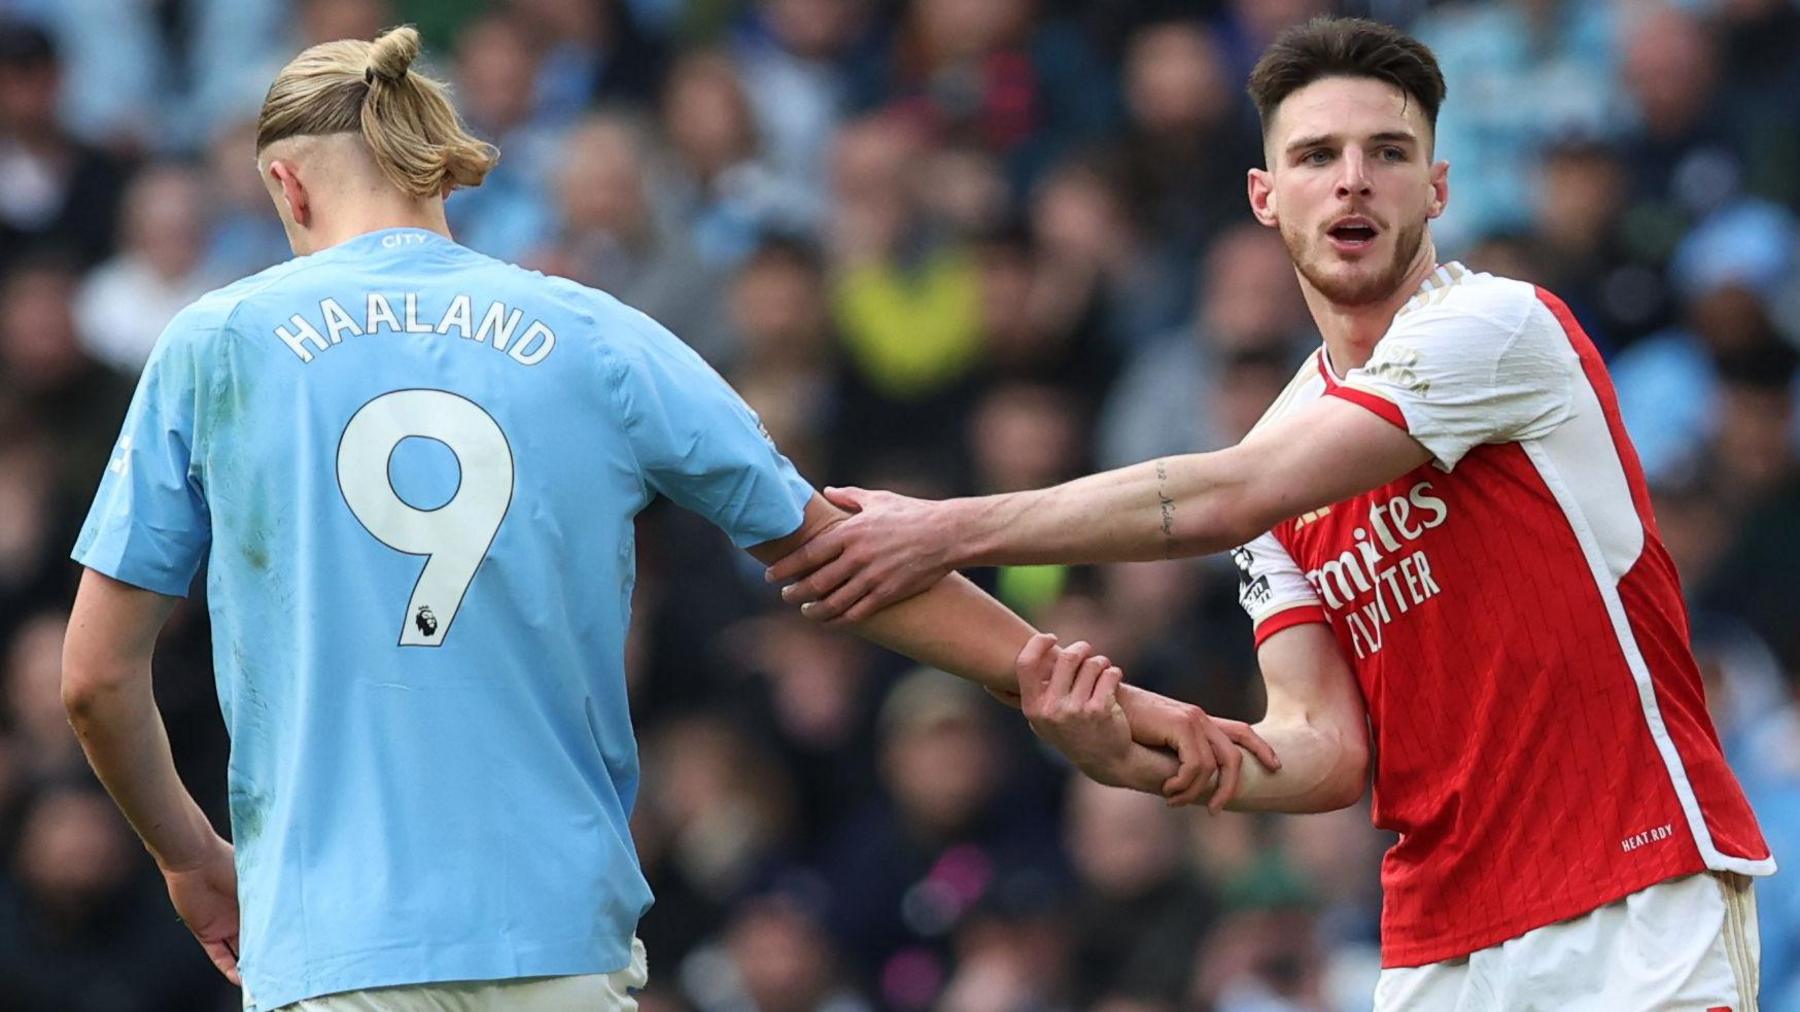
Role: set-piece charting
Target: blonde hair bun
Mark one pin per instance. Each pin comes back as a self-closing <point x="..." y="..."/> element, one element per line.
<point x="369" y="88"/>
<point x="393" y="52"/>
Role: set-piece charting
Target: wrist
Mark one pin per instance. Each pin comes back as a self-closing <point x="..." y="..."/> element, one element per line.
<point x="971" y="540"/>
<point x="192" y="847"/>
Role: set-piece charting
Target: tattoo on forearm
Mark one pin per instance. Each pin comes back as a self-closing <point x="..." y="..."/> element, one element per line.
<point x="1168" y="509"/>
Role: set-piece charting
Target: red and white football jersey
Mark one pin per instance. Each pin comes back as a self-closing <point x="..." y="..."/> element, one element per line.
<point x="1541" y="741"/>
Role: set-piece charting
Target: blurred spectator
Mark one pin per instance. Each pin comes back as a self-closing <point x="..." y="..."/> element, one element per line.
<point x="1338" y="856"/>
<point x="1026" y="436"/>
<point x="780" y="354"/>
<point x="963" y="190"/>
<point x="815" y="703"/>
<point x="944" y="836"/>
<point x="805" y="65"/>
<point x="1753" y="453"/>
<point x="43" y="367"/>
<point x="54" y="190"/>
<point x="246" y="235"/>
<point x="35" y="524"/>
<point x="1684" y="156"/>
<point x="1034" y="332"/>
<point x="907" y="299"/>
<point x="1752" y="704"/>
<point x="906" y="302"/>
<point x="992" y="74"/>
<point x="1262" y="959"/>
<point x="1010" y="961"/>
<point x="593" y="51"/>
<point x="1762" y="79"/>
<point x="1139" y="913"/>
<point x="1756" y="475"/>
<point x="1519" y="74"/>
<point x="1583" y="252"/>
<point x="711" y="830"/>
<point x="1246" y="27"/>
<point x="496" y="72"/>
<point x="79" y="931"/>
<point x="1202" y="387"/>
<point x="774" y="957"/>
<point x="125" y="303"/>
<point x="1728" y="269"/>
<point x="159" y="80"/>
<point x="325" y="20"/>
<point x="1189" y="137"/>
<point x="1096" y="257"/>
<point x="613" y="237"/>
<point x="724" y="190"/>
<point x="34" y="697"/>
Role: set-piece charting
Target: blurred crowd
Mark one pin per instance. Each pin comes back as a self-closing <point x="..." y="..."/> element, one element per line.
<point x="945" y="247"/>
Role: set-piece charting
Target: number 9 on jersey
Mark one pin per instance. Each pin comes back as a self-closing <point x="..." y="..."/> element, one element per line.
<point x="454" y="537"/>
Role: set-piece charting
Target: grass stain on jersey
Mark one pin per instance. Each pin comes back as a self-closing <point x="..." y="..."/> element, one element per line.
<point x="249" y="810"/>
<point x="256" y="551"/>
<point x="229" y="395"/>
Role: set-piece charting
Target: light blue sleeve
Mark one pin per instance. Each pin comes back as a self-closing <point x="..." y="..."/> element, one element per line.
<point x="149" y="525"/>
<point x="695" y="439"/>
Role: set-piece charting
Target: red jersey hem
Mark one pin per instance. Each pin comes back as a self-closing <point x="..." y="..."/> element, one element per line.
<point x="1436" y="950"/>
<point x="1287" y="618"/>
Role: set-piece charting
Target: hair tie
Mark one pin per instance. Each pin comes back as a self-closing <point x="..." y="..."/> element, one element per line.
<point x="370" y="74"/>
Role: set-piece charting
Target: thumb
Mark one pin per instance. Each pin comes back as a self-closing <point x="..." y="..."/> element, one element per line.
<point x="845" y="498"/>
<point x="1033" y="666"/>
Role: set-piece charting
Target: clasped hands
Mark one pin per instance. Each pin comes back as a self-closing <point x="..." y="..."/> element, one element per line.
<point x="892" y="547"/>
<point x="1123" y="736"/>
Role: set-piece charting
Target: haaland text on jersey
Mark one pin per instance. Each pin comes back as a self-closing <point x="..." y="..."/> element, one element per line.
<point x="496" y="325"/>
<point x="1369" y="566"/>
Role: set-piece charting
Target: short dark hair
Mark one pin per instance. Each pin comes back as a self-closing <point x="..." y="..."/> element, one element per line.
<point x="1346" y="47"/>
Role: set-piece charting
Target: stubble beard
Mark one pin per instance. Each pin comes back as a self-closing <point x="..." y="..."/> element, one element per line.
<point x="1358" y="289"/>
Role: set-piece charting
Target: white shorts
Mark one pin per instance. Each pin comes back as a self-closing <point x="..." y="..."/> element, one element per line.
<point x="1688" y="944"/>
<point x="599" y="992"/>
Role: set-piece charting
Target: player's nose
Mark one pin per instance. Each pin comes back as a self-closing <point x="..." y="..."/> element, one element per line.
<point x="1353" y="175"/>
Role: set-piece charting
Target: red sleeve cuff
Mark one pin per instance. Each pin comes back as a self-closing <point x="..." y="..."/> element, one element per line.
<point x="1387" y="410"/>
<point x="1287" y="618"/>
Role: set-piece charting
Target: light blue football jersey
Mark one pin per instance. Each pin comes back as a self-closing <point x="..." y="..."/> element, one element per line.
<point x="411" y="471"/>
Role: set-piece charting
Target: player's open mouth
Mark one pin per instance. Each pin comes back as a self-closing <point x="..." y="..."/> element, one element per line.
<point x="1352" y="234"/>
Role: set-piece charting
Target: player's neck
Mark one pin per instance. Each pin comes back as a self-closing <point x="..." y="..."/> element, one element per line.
<point x="1351" y="332"/>
<point x="350" y="222"/>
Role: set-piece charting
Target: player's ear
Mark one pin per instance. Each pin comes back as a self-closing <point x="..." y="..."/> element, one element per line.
<point x="1262" y="196"/>
<point x="1440" y="189"/>
<point x="293" y="192"/>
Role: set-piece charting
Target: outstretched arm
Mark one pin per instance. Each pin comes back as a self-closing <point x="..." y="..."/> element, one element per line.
<point x="1193" y="504"/>
<point x="955" y="627"/>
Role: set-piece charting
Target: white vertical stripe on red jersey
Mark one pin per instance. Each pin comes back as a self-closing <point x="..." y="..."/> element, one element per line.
<point x="1640" y="671"/>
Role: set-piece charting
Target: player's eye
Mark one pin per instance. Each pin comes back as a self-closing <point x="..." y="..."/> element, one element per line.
<point x="1393" y="154"/>
<point x="1317" y="156"/>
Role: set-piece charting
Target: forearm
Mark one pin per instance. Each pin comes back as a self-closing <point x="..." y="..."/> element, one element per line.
<point x="956" y="628"/>
<point x="1324" y="767"/>
<point x="951" y="626"/>
<point x="1192" y="504"/>
<point x="122" y="733"/>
